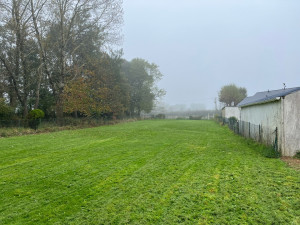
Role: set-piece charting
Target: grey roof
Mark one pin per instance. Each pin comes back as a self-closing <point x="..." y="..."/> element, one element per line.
<point x="266" y="96"/>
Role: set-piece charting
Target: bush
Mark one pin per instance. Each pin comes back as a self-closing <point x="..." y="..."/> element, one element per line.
<point x="232" y="120"/>
<point x="6" y="112"/>
<point x="34" y="118"/>
<point x="36" y="114"/>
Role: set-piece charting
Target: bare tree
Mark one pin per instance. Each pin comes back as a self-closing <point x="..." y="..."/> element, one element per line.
<point x="47" y="40"/>
<point x="18" y="49"/>
<point x="61" y="29"/>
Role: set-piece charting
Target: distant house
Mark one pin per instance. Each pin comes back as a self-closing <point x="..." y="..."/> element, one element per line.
<point x="230" y="111"/>
<point x="275" y="111"/>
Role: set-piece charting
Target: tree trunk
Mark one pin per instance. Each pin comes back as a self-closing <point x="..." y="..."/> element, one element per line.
<point x="59" y="110"/>
<point x="76" y="114"/>
<point x="25" y="108"/>
<point x="38" y="87"/>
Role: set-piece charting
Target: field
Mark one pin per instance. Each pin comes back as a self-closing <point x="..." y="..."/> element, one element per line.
<point x="146" y="172"/>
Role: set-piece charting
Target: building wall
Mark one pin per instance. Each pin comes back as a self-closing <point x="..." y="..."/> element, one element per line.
<point x="291" y="124"/>
<point x="268" y="114"/>
<point x="228" y="112"/>
<point x="266" y="117"/>
<point x="283" y="114"/>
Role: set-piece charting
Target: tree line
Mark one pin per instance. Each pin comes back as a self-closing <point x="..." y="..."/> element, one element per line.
<point x="56" y="56"/>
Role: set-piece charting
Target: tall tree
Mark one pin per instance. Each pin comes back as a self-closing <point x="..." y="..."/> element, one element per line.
<point x="231" y="95"/>
<point x="142" y="77"/>
<point x="69" y="25"/>
<point x="113" y="81"/>
<point x="101" y="89"/>
<point x="19" y="52"/>
<point x="78" y="97"/>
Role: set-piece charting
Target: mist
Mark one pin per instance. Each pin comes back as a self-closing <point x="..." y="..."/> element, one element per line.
<point x="203" y="45"/>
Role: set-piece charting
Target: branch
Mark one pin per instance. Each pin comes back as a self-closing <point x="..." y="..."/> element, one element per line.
<point x="12" y="76"/>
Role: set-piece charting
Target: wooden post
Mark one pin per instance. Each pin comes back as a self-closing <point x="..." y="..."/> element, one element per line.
<point x="249" y="130"/>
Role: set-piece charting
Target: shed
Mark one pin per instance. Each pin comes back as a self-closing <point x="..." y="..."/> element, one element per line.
<point x="230" y="111"/>
<point x="277" y="110"/>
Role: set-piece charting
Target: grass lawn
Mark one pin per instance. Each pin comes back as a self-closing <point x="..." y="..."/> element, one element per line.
<point x="146" y="172"/>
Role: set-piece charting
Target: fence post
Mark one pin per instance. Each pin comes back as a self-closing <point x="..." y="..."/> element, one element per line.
<point x="242" y="128"/>
<point x="249" y="130"/>
<point x="259" y="133"/>
<point x="276" y="140"/>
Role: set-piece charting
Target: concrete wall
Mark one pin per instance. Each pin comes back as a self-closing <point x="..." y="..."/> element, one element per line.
<point x="291" y="124"/>
<point x="228" y="112"/>
<point x="268" y="116"/>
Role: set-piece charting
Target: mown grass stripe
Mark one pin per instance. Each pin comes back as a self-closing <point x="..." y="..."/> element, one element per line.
<point x="147" y="172"/>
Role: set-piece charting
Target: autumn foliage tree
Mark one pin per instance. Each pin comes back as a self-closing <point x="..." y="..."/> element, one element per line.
<point x="114" y="88"/>
<point x="77" y="97"/>
<point x="102" y="91"/>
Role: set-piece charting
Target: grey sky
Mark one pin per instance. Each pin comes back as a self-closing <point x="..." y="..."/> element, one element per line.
<point x="201" y="45"/>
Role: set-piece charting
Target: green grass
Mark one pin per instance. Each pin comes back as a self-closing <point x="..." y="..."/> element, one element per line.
<point x="146" y="172"/>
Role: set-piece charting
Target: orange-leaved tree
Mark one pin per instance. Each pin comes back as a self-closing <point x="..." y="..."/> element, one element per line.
<point x="80" y="96"/>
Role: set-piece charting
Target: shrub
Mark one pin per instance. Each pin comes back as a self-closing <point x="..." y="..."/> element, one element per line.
<point x="34" y="118"/>
<point x="232" y="120"/>
<point x="297" y="155"/>
<point x="36" y="114"/>
<point x="6" y="112"/>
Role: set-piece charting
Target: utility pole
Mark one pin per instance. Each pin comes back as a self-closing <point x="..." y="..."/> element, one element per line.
<point x="216" y="107"/>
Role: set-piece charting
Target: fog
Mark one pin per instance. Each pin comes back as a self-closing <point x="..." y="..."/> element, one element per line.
<point x="202" y="45"/>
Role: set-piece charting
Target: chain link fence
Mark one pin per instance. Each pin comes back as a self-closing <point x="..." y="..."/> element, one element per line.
<point x="265" y="135"/>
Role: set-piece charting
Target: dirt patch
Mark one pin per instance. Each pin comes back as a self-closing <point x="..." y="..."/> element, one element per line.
<point x="292" y="162"/>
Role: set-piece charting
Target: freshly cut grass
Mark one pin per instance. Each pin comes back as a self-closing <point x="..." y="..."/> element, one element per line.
<point x="147" y="172"/>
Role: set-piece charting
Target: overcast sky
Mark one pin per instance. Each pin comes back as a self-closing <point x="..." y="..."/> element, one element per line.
<point x="202" y="45"/>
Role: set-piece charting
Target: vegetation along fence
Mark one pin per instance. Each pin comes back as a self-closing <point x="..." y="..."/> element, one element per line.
<point x="259" y="133"/>
<point x="18" y="123"/>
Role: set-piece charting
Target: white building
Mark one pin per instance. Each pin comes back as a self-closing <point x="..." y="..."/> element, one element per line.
<point x="229" y="111"/>
<point x="275" y="111"/>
